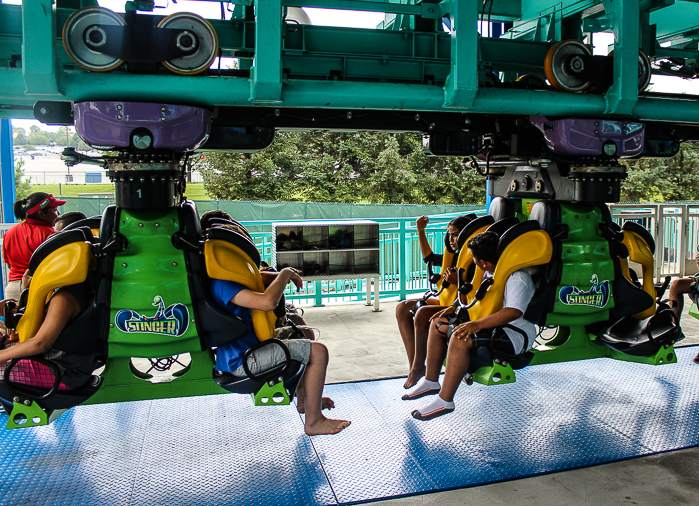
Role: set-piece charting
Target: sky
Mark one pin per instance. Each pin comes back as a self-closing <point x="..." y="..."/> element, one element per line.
<point x="352" y="19"/>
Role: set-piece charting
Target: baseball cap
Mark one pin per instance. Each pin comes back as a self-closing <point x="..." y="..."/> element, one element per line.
<point x="49" y="201"/>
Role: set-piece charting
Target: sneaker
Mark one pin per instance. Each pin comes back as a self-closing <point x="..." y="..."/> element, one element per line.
<point x="696" y="359"/>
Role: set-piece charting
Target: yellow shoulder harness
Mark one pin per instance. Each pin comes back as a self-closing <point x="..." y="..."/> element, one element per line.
<point x="228" y="262"/>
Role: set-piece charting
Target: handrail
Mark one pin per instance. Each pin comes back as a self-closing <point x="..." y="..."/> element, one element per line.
<point x="674" y="226"/>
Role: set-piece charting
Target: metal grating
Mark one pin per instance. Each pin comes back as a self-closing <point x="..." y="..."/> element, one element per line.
<point x="220" y="450"/>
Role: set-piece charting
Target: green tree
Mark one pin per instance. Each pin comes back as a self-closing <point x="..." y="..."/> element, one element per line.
<point x="38" y="139"/>
<point x="20" y="139"/>
<point x="22" y="189"/>
<point x="664" y="179"/>
<point x="77" y="143"/>
<point x="61" y="136"/>
<point x="337" y="167"/>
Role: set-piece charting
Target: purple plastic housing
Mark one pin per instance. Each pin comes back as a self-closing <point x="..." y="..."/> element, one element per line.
<point x="173" y="127"/>
<point x="587" y="137"/>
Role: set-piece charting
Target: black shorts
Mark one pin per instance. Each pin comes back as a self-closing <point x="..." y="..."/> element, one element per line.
<point x="501" y="342"/>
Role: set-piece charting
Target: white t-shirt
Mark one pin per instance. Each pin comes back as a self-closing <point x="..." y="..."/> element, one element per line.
<point x="519" y="290"/>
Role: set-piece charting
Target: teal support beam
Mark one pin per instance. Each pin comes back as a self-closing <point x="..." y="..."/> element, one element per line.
<point x="623" y="94"/>
<point x="462" y="84"/>
<point x="39" y="67"/>
<point x="402" y="261"/>
<point x="535" y="16"/>
<point x="410" y="10"/>
<point x="266" y="75"/>
<point x="678" y="22"/>
<point x="318" y="294"/>
<point x="211" y="90"/>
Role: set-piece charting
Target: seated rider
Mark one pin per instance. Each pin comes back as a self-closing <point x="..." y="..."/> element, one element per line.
<point x="61" y="222"/>
<point x="268" y="275"/>
<point x="680" y="287"/>
<point x="214" y="213"/>
<point x="457" y="347"/>
<point x="292" y="324"/>
<point x="414" y="325"/>
<point x="238" y="300"/>
<point x="65" y="305"/>
<point x="68" y="219"/>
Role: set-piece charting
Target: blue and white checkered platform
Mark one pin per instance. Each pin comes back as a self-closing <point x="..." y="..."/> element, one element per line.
<point x="220" y="450"/>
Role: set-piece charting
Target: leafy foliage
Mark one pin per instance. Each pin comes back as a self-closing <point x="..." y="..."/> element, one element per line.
<point x="664" y="179"/>
<point x="38" y="137"/>
<point x="338" y="167"/>
<point x="22" y="189"/>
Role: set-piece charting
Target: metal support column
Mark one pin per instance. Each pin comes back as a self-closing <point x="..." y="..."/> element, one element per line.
<point x="377" y="295"/>
<point x="402" y="278"/>
<point x="40" y="71"/>
<point x="318" y="295"/>
<point x="488" y="196"/>
<point x="462" y="84"/>
<point x="7" y="183"/>
<point x="623" y="94"/>
<point x="7" y="172"/>
<point x="266" y="76"/>
<point x="659" y="242"/>
<point x="683" y="243"/>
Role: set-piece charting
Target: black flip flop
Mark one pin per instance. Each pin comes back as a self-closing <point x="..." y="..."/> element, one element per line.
<point x="419" y="395"/>
<point x="433" y="414"/>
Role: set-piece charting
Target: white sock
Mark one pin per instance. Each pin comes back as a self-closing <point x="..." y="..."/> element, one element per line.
<point x="436" y="403"/>
<point x="425" y="384"/>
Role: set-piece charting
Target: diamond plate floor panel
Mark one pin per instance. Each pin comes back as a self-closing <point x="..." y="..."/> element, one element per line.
<point x="215" y="450"/>
<point x="367" y="460"/>
<point x="220" y="450"/>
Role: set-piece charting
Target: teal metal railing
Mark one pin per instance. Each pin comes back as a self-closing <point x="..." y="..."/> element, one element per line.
<point x="402" y="269"/>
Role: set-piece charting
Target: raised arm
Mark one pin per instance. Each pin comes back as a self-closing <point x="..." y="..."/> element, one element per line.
<point x="421" y="224"/>
<point x="267" y="300"/>
<point x="269" y="276"/>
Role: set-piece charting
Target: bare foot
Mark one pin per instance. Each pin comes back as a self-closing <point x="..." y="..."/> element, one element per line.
<point x="413" y="377"/>
<point x="326" y="403"/>
<point x="326" y="426"/>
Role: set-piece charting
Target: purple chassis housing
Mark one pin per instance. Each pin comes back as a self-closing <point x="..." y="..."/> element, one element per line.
<point x="110" y="124"/>
<point x="586" y="137"/>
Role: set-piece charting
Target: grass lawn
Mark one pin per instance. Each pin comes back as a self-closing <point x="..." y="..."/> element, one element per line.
<point x="195" y="191"/>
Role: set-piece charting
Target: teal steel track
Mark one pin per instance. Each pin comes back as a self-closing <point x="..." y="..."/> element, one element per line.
<point x="410" y="63"/>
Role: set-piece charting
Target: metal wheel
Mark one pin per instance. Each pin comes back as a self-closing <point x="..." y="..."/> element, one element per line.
<point x="532" y="80"/>
<point x="645" y="71"/>
<point x="492" y="78"/>
<point x="563" y="70"/>
<point x="79" y="26"/>
<point x="201" y="58"/>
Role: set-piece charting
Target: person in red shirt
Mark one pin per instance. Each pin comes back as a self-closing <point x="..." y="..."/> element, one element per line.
<point x="39" y="212"/>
